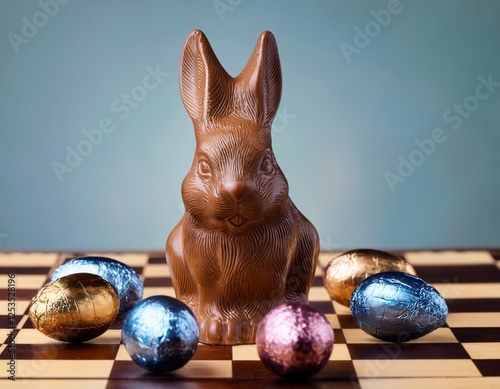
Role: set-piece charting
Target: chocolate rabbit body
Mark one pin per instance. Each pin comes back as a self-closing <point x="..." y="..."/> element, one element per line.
<point x="242" y="247"/>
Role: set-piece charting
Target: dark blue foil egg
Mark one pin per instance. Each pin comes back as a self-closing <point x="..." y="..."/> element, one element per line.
<point x="124" y="279"/>
<point x="397" y="307"/>
<point x="160" y="334"/>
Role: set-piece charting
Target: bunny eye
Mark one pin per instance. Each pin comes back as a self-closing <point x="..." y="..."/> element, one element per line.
<point x="204" y="168"/>
<point x="267" y="165"/>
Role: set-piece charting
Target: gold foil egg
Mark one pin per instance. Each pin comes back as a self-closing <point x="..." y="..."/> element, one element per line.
<point x="345" y="272"/>
<point x="75" y="308"/>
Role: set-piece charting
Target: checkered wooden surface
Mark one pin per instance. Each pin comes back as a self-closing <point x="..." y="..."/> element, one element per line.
<point x="464" y="353"/>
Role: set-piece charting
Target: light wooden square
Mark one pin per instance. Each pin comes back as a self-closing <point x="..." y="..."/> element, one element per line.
<point x="318" y="293"/>
<point x="21" y="306"/>
<point x="24" y="281"/>
<point x="340" y="353"/>
<point x="156" y="270"/>
<point x="415" y="368"/>
<point x="122" y="354"/>
<point x="246" y="352"/>
<point x="430" y="383"/>
<point x="334" y="320"/>
<point x="57" y="383"/>
<point x="455" y="290"/>
<point x="341" y="309"/>
<point x="449" y="258"/>
<point x="440" y="335"/>
<point x="483" y="350"/>
<point x="473" y="319"/>
<point x="57" y="368"/>
<point x="18" y="259"/>
<point x="206" y="369"/>
<point x="33" y="336"/>
<point x="356" y="335"/>
<point x="159" y="290"/>
<point x="131" y="259"/>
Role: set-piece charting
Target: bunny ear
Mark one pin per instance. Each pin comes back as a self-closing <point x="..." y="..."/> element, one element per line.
<point x="205" y="85"/>
<point x="260" y="80"/>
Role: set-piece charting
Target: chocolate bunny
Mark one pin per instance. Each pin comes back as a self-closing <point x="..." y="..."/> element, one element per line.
<point x="242" y="247"/>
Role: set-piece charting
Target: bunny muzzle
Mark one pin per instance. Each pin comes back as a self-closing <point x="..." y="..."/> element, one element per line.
<point x="238" y="206"/>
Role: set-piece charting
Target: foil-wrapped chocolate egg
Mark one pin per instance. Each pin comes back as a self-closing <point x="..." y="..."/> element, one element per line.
<point x="75" y="308"/>
<point x="127" y="283"/>
<point x="160" y="334"/>
<point x="397" y="307"/>
<point x="294" y="340"/>
<point x="345" y="272"/>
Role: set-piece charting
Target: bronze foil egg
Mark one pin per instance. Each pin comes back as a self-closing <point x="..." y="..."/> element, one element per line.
<point x="75" y="308"/>
<point x="345" y="272"/>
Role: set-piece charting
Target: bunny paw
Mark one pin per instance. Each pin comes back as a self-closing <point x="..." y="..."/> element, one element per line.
<point x="239" y="331"/>
<point x="216" y="330"/>
<point x="211" y="331"/>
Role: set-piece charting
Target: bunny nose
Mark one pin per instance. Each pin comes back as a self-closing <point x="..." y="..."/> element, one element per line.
<point x="236" y="189"/>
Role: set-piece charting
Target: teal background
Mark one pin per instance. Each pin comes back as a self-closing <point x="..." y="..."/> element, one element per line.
<point x="343" y="124"/>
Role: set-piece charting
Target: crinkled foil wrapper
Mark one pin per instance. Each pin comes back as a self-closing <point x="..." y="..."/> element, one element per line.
<point x="294" y="340"/>
<point x="397" y="307"/>
<point x="125" y="280"/>
<point x="160" y="334"/>
<point x="345" y="272"/>
<point x="75" y="308"/>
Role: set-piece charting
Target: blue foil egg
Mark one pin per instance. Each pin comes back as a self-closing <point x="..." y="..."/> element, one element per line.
<point x="124" y="279"/>
<point x="160" y="334"/>
<point x="397" y="307"/>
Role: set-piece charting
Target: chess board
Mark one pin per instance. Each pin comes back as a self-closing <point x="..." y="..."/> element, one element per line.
<point x="464" y="353"/>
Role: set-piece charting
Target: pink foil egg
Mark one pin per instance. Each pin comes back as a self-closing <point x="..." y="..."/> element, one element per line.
<point x="294" y="340"/>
